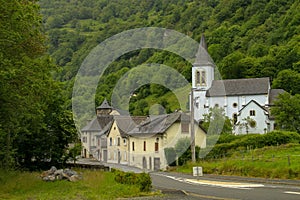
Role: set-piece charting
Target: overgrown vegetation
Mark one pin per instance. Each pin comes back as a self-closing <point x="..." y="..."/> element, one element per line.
<point x="95" y="185"/>
<point x="34" y="125"/>
<point x="245" y="38"/>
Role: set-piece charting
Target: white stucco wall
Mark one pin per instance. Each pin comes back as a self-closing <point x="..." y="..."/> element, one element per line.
<point x="260" y="118"/>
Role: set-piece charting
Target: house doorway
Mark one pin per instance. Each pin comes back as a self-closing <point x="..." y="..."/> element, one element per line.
<point x="156" y="164"/>
<point x="84" y="153"/>
<point x="119" y="157"/>
<point x="104" y="156"/>
<point x="144" y="163"/>
<point x="150" y="163"/>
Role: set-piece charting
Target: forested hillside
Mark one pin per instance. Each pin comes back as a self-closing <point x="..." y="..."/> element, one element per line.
<point x="246" y="38"/>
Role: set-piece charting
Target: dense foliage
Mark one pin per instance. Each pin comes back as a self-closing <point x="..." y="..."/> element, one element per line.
<point x="251" y="38"/>
<point x="228" y="144"/>
<point x="287" y="112"/>
<point x="34" y="127"/>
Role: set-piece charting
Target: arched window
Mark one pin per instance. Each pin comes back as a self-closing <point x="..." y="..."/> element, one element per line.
<point x="203" y="78"/>
<point x="200" y="78"/>
<point x="197" y="78"/>
<point x="234" y="116"/>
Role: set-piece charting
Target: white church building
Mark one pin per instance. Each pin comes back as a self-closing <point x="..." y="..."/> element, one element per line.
<point x="246" y="102"/>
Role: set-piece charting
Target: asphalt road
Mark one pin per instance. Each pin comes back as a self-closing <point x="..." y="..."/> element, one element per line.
<point x="214" y="187"/>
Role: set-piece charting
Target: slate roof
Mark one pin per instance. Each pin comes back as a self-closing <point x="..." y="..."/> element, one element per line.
<point x="155" y="125"/>
<point x="202" y="56"/>
<point x="100" y="124"/>
<point x="236" y="87"/>
<point x="104" y="105"/>
<point x="127" y="123"/>
<point x="274" y="94"/>
<point x="92" y="126"/>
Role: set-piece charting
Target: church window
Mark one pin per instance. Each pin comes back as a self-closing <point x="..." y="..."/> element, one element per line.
<point x="252" y="123"/>
<point x="234" y="105"/>
<point x="234" y="116"/>
<point x="201" y="78"/>
<point x="198" y="78"/>
<point x="252" y="112"/>
<point x="144" y="145"/>
<point x="110" y="141"/>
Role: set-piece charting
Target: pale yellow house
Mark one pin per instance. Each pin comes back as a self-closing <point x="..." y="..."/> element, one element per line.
<point x="140" y="141"/>
<point x="118" y="139"/>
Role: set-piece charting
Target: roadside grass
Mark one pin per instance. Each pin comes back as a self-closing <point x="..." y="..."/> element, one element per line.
<point x="95" y="185"/>
<point x="281" y="162"/>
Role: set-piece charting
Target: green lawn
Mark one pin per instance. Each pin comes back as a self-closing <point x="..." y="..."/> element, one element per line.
<point x="95" y="185"/>
<point x="269" y="162"/>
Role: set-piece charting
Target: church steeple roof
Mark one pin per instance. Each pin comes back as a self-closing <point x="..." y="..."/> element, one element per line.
<point x="202" y="56"/>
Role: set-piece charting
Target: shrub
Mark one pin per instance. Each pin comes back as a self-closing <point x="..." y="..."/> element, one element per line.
<point x="130" y="178"/>
<point x="170" y="154"/>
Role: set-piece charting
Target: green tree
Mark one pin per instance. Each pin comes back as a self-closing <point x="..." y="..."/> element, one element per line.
<point x="183" y="150"/>
<point x="31" y="112"/>
<point x="288" y="80"/>
<point x="215" y="122"/>
<point x="287" y="111"/>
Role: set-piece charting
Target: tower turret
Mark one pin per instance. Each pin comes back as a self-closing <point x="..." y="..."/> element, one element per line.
<point x="203" y="68"/>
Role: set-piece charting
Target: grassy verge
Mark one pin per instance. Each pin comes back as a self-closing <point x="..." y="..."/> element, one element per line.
<point x="95" y="185"/>
<point x="281" y="162"/>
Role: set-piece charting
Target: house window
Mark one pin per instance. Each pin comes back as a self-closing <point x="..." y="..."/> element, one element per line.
<point x="156" y="147"/>
<point x="119" y="141"/>
<point x="234" y="116"/>
<point x="132" y="146"/>
<point x="110" y="141"/>
<point x="124" y="141"/>
<point x="144" y="145"/>
<point x="252" y="112"/>
<point x="184" y="127"/>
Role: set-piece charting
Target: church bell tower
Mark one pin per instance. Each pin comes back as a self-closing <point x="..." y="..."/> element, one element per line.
<point x="202" y="77"/>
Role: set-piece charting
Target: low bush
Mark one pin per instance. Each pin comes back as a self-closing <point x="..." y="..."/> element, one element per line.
<point x="142" y="179"/>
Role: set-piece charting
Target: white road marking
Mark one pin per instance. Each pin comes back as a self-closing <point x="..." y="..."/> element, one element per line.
<point x="290" y="192"/>
<point x="236" y="185"/>
<point x="225" y="184"/>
